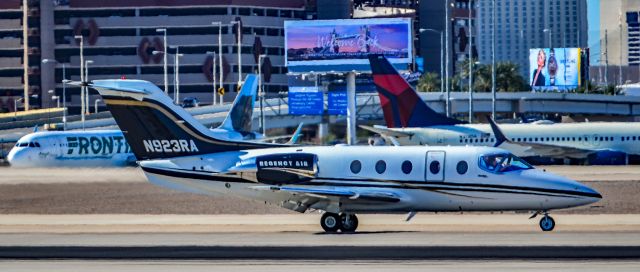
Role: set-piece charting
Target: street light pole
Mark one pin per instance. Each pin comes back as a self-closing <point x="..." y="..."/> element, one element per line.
<point x="220" y="71"/>
<point x="239" y="50"/>
<point x="261" y="94"/>
<point x="166" y="76"/>
<point x="82" y="105"/>
<point x="493" y="60"/>
<point x="446" y="12"/>
<point x="86" y="77"/>
<point x="213" y="76"/>
<point x="177" y="80"/>
<point x="96" y="105"/>
<point x="15" y="107"/>
<point x="470" y="59"/>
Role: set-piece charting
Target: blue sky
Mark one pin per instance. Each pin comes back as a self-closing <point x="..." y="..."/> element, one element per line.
<point x="593" y="19"/>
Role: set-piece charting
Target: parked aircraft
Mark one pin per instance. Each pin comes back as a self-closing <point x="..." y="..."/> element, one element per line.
<point x="108" y="148"/>
<point x="409" y="121"/>
<point x="177" y="152"/>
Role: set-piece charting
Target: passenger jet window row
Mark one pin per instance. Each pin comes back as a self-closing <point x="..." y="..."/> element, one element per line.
<point x="555" y="139"/>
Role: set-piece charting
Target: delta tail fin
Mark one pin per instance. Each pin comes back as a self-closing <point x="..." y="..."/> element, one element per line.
<point x="155" y="127"/>
<point x="240" y="116"/>
<point x="401" y="105"/>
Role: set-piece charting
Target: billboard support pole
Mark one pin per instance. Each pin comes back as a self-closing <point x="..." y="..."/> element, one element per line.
<point x="351" y="108"/>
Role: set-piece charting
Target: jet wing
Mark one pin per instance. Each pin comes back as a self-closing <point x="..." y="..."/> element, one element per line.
<point x="326" y="192"/>
<point x="386" y="131"/>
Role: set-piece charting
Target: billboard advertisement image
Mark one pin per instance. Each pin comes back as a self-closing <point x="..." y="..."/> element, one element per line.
<point x="554" y="68"/>
<point x="343" y="45"/>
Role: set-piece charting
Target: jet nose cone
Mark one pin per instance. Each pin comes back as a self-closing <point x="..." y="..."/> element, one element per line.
<point x="590" y="194"/>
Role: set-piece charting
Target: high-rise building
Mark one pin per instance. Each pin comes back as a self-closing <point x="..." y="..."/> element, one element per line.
<point x="524" y="24"/>
<point x="120" y="36"/>
<point x="432" y="18"/>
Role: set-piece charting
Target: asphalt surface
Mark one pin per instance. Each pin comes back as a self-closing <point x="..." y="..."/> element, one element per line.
<point x="318" y="266"/>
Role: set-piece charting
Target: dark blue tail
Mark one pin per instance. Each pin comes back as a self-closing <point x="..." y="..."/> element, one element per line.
<point x="401" y="105"/>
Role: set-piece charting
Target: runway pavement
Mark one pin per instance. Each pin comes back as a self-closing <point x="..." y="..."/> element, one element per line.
<point x="297" y="237"/>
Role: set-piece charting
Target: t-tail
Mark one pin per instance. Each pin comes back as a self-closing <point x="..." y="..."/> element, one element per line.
<point x="401" y="105"/>
<point x="155" y="127"/>
<point x="240" y="116"/>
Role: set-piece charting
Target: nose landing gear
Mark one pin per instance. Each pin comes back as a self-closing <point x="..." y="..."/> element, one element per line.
<point x="546" y="222"/>
<point x="345" y="222"/>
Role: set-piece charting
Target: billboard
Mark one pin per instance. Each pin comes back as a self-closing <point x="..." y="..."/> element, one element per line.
<point x="343" y="45"/>
<point x="554" y="69"/>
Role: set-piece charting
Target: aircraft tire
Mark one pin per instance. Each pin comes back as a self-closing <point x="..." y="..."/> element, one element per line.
<point x="547" y="223"/>
<point x="330" y="222"/>
<point x="349" y="224"/>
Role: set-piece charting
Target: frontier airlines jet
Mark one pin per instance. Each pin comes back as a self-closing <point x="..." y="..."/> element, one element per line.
<point x="409" y="121"/>
<point x="177" y="152"/>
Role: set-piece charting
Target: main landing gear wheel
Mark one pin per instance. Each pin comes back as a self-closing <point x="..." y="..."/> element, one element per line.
<point x="547" y="223"/>
<point x="330" y="222"/>
<point x="349" y="222"/>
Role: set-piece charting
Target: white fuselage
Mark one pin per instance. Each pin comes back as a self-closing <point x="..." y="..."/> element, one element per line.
<point x="595" y="136"/>
<point x="100" y="148"/>
<point x="426" y="186"/>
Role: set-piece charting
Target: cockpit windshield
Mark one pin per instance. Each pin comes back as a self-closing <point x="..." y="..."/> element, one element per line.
<point x="503" y="162"/>
<point x="28" y="144"/>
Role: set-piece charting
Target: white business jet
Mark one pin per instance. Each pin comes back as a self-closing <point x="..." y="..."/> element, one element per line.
<point x="177" y="152"/>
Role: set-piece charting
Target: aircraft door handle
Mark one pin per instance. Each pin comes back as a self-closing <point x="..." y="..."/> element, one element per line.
<point x="482" y="176"/>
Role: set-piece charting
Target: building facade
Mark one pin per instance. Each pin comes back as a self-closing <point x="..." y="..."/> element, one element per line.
<point x="524" y="24"/>
<point x="120" y="36"/>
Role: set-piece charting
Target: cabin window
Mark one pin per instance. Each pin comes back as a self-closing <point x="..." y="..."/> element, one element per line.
<point x="434" y="167"/>
<point x="381" y="166"/>
<point x="407" y="167"/>
<point x="356" y="166"/>
<point x="579" y="138"/>
<point x="634" y="138"/>
<point x="462" y="167"/>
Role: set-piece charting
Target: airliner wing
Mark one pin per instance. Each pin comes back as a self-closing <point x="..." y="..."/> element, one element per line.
<point x="535" y="149"/>
<point x="387" y="132"/>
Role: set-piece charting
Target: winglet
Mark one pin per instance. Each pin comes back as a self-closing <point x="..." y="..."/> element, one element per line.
<point x="296" y="135"/>
<point x="500" y="137"/>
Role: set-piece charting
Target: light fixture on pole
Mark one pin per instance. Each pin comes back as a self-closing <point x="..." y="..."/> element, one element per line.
<point x="57" y="98"/>
<point x="213" y="76"/>
<point x="220" y="71"/>
<point x="82" y="100"/>
<point x="166" y="76"/>
<point x="64" y="91"/>
<point x="441" y="54"/>
<point x="15" y="107"/>
<point x="86" y="78"/>
<point x="261" y="93"/>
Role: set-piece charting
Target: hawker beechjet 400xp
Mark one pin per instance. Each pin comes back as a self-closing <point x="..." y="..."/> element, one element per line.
<point x="177" y="152"/>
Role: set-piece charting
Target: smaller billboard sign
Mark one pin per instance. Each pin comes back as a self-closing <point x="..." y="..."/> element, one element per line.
<point x="305" y="101"/>
<point x="337" y="103"/>
<point x="554" y="68"/>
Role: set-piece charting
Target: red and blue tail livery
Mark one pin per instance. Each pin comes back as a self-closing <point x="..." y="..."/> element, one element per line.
<point x="401" y="105"/>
